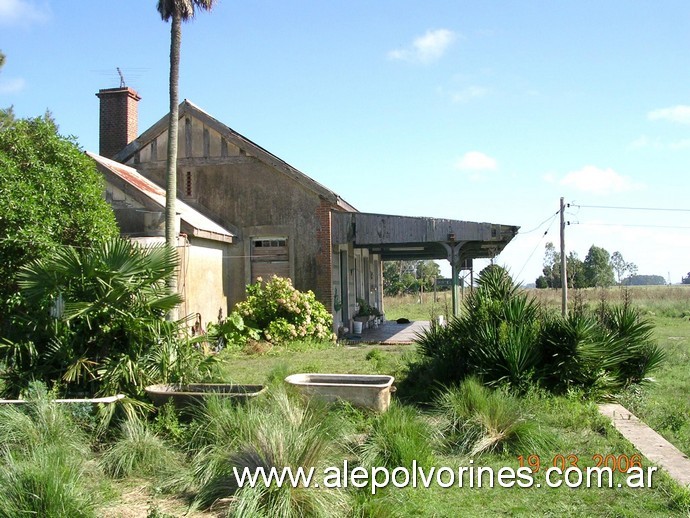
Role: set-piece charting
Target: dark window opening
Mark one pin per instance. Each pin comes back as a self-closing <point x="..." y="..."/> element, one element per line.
<point x="188" y="184"/>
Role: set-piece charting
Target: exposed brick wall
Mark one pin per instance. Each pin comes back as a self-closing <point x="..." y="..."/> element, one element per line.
<point x="324" y="257"/>
<point x="118" y="119"/>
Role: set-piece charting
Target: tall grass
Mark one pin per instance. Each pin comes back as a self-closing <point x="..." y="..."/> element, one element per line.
<point x="667" y="301"/>
<point x="397" y="438"/>
<point x="280" y="431"/>
<point x="479" y="420"/>
<point x="46" y="481"/>
<point x="138" y="451"/>
<point x="44" y="462"/>
<point x="27" y="427"/>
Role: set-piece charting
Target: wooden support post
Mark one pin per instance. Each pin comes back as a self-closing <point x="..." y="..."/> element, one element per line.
<point x="453" y="256"/>
<point x="564" y="269"/>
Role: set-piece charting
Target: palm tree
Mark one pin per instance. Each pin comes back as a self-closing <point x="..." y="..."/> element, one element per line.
<point x="177" y="11"/>
<point x="106" y="304"/>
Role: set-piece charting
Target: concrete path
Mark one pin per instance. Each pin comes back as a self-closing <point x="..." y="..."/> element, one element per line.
<point x="649" y="443"/>
<point x="391" y="332"/>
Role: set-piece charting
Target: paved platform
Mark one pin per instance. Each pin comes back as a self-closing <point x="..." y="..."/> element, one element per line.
<point x="390" y="332"/>
<point x="649" y="443"/>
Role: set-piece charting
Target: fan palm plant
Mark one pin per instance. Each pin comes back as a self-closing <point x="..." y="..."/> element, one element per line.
<point x="106" y="333"/>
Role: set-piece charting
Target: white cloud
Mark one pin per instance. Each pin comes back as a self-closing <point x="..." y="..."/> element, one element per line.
<point x="679" y="144"/>
<point x="598" y="181"/>
<point x="549" y="178"/>
<point x="643" y="142"/>
<point x="22" y="12"/>
<point x="476" y="161"/>
<point x="12" y="86"/>
<point x="427" y="48"/>
<point x="680" y="114"/>
<point x="469" y="93"/>
<point x="657" y="144"/>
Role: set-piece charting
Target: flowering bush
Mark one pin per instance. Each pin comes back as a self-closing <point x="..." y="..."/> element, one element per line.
<point x="283" y="313"/>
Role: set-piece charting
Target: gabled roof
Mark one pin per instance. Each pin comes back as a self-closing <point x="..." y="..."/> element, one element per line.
<point x="187" y="108"/>
<point x="151" y="194"/>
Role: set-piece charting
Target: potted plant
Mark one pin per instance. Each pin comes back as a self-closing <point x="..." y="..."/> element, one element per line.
<point x="366" y="312"/>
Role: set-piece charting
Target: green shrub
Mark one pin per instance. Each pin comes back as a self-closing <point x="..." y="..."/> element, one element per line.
<point x="99" y="326"/>
<point x="505" y="338"/>
<point x="283" y="313"/>
<point x="231" y="332"/>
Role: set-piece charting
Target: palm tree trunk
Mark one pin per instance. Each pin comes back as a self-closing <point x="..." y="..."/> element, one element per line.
<point x="171" y="167"/>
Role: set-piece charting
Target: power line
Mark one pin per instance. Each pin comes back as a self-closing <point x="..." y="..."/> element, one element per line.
<point x="542" y="223"/>
<point x="538" y="242"/>
<point x="631" y="208"/>
<point x="628" y="225"/>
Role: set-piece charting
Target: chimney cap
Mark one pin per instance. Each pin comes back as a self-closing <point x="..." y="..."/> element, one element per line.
<point x="131" y="92"/>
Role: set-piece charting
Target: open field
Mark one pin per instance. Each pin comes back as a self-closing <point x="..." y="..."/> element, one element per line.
<point x="664" y="301"/>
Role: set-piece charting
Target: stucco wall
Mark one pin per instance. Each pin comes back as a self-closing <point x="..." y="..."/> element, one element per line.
<point x="202" y="279"/>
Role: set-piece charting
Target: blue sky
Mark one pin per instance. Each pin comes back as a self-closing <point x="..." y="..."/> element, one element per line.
<point x="480" y="111"/>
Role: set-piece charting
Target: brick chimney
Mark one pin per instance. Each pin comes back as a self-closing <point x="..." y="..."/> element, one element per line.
<point x="119" y="119"/>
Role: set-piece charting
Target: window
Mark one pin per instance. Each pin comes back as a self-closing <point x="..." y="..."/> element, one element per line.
<point x="269" y="256"/>
<point x="188" y="184"/>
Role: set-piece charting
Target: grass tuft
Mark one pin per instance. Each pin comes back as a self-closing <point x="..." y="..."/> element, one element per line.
<point x="398" y="437"/>
<point x="138" y="451"/>
<point x="480" y="421"/>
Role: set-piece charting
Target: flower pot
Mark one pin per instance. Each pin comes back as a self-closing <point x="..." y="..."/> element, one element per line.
<point x="357" y="327"/>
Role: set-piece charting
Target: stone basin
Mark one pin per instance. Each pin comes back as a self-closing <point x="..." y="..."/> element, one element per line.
<point x="363" y="390"/>
<point x="194" y="393"/>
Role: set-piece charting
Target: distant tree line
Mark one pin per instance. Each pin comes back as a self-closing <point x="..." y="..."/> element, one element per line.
<point x="401" y="277"/>
<point x="599" y="269"/>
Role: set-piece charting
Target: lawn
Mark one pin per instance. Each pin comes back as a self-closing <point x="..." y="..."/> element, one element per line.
<point x="662" y="403"/>
<point x="565" y="429"/>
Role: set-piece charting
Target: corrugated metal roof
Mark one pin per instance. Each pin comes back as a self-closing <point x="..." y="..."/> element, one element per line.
<point x="157" y="194"/>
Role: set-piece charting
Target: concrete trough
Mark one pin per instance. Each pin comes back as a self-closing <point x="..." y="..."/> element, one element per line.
<point x="362" y="390"/>
<point x="183" y="395"/>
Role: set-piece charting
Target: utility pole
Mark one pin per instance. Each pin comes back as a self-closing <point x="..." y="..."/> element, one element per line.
<point x="564" y="271"/>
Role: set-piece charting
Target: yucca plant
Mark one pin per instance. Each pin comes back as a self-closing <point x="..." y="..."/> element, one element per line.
<point x="479" y="420"/>
<point x="601" y="355"/>
<point x="495" y="337"/>
<point x="571" y="351"/>
<point x="507" y="339"/>
<point x="639" y="355"/>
